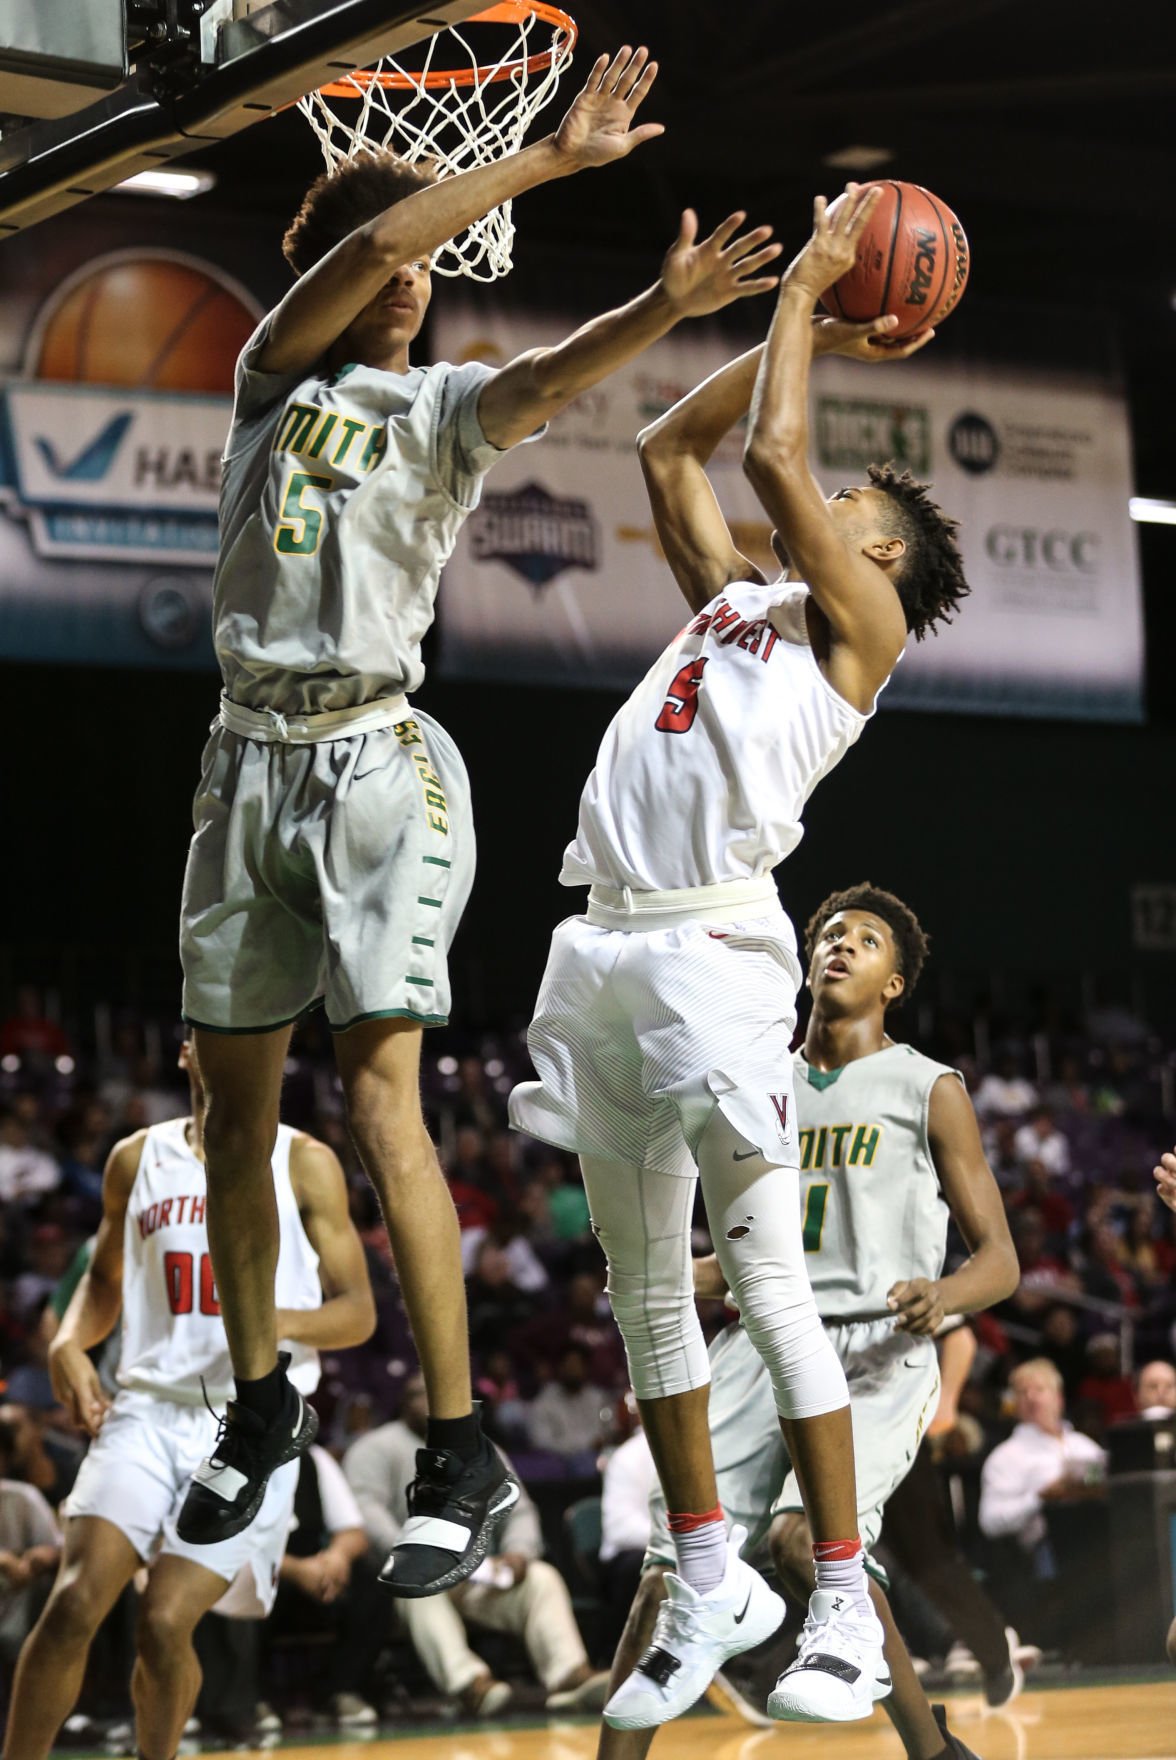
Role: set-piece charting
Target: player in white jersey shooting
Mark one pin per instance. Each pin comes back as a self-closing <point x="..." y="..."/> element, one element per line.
<point x="151" y="1260"/>
<point x="664" y="1022"/>
<point x="888" y="1148"/>
<point x="334" y="848"/>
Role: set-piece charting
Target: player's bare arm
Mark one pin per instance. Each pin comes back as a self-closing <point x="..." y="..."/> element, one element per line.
<point x="597" y="129"/>
<point x="696" y="279"/>
<point x="97" y="1301"/>
<point x="348" y="1313"/>
<point x="1165" y="1178"/>
<point x="867" y="628"/>
<point x="675" y="450"/>
<point x="991" y="1272"/>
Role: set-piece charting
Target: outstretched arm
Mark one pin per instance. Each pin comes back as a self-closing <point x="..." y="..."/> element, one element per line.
<point x="675" y="449"/>
<point x="596" y="130"/>
<point x="863" y="612"/>
<point x="95" y="1304"/>
<point x="696" y="279"/>
<point x="991" y="1273"/>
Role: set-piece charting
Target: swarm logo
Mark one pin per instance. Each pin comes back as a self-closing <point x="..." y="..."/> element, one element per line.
<point x="119" y="415"/>
<point x="535" y="533"/>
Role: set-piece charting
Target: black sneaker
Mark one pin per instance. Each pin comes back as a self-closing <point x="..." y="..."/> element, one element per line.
<point x="1004" y="1684"/>
<point x="952" y="1743"/>
<point x="227" y="1488"/>
<point x="454" y="1510"/>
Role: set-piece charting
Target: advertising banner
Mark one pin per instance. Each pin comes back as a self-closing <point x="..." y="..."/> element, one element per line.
<point x="558" y="576"/>
<point x="115" y="397"/>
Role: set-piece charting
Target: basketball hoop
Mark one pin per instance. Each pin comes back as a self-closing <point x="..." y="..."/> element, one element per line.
<point x="457" y="117"/>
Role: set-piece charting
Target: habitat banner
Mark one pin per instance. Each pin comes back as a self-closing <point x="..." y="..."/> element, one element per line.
<point x="116" y="377"/>
<point x="558" y="576"/>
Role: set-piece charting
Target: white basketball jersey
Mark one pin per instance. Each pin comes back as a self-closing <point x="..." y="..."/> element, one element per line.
<point x="873" y="1211"/>
<point x="702" y="775"/>
<point x="173" y="1335"/>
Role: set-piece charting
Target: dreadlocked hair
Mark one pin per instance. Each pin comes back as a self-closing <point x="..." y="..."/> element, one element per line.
<point x="351" y="195"/>
<point x="911" y="940"/>
<point x="930" y="582"/>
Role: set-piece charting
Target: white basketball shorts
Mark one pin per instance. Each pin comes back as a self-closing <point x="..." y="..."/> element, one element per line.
<point x="893" y="1392"/>
<point x="639" y="1034"/>
<point x="135" y="1475"/>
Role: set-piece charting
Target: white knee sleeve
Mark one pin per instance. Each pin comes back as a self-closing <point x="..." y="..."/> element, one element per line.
<point x="754" y="1215"/>
<point x="642" y="1221"/>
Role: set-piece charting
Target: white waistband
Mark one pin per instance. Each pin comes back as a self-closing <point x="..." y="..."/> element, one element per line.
<point x="310" y="730"/>
<point x="646" y="911"/>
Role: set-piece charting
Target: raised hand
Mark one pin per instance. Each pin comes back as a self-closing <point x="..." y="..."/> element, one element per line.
<point x="866" y="342"/>
<point x="1165" y="1178"/>
<point x="700" y="278"/>
<point x="598" y="127"/>
<point x="832" y="249"/>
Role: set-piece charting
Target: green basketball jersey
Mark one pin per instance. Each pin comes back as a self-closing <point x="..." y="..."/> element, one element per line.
<point x="341" y="499"/>
<point x="869" y="1191"/>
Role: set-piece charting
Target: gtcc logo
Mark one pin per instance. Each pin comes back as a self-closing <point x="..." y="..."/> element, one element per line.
<point x="1059" y="552"/>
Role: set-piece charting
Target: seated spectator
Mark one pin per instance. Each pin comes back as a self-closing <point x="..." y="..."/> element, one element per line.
<point x="1104" y="1274"/>
<point x="629" y="1479"/>
<point x="496" y="1304"/>
<point x="571" y="1416"/>
<point x="27" y="1172"/>
<point x="509" y="1233"/>
<point x="1068" y="1092"/>
<point x="1044" y="1458"/>
<point x="586" y="1320"/>
<point x="47" y="1453"/>
<point x="1061" y="1342"/>
<point x="515" y="1591"/>
<point x="1155" y="1390"/>
<point x="1104" y="1385"/>
<point x="1006" y="1091"/>
<point x="327" y="1583"/>
<point x="1035" y="1193"/>
<point x="30" y="1547"/>
<point x="1140" y="1252"/>
<point x="1039" y="1139"/>
<point x="50" y="1251"/>
<point x="475" y="1101"/>
<point x="504" y="1411"/>
<point x="1043" y="1274"/>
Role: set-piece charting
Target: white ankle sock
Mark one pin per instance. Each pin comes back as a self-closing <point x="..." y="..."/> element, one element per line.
<point x="845" y="1576"/>
<point x="702" y="1554"/>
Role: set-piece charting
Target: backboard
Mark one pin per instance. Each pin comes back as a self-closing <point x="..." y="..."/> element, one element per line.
<point x="192" y="72"/>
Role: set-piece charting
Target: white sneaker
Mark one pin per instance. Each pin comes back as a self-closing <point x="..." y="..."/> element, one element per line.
<point x="960" y="1665"/>
<point x="840" y="1672"/>
<point x="693" y="1637"/>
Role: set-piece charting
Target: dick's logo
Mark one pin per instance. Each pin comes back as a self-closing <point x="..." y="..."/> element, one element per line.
<point x="535" y="533"/>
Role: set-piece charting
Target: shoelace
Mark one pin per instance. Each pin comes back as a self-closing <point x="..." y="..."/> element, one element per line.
<point x="836" y="1637"/>
<point x="677" y="1619"/>
<point x="231" y="1445"/>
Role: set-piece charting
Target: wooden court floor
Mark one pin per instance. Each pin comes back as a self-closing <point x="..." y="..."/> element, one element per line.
<point x="1120" y="1722"/>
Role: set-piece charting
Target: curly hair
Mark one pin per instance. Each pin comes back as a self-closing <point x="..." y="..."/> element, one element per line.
<point x="351" y="195"/>
<point x="911" y="940"/>
<point x="931" y="581"/>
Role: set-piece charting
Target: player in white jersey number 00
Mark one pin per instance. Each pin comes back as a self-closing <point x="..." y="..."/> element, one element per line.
<point x="151" y="1260"/>
<point x="663" y="1026"/>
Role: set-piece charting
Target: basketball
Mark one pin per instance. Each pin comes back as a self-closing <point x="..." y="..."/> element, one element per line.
<point x="912" y="262"/>
<point x="150" y="323"/>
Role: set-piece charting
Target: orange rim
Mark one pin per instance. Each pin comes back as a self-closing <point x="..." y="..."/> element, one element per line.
<point x="505" y="12"/>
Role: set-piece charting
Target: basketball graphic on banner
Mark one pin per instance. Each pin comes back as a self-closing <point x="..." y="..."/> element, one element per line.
<point x="149" y="322"/>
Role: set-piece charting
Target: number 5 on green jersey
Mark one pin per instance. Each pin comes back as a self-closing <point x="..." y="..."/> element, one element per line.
<point x="301" y="527"/>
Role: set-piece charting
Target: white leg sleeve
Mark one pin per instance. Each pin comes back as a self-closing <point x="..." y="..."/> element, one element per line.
<point x="642" y="1220"/>
<point x="754" y="1213"/>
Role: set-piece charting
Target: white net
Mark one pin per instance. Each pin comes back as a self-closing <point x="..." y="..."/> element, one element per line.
<point x="476" y="115"/>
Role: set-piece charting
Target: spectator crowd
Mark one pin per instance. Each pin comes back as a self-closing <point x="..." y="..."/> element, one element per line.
<point x="1072" y="1126"/>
